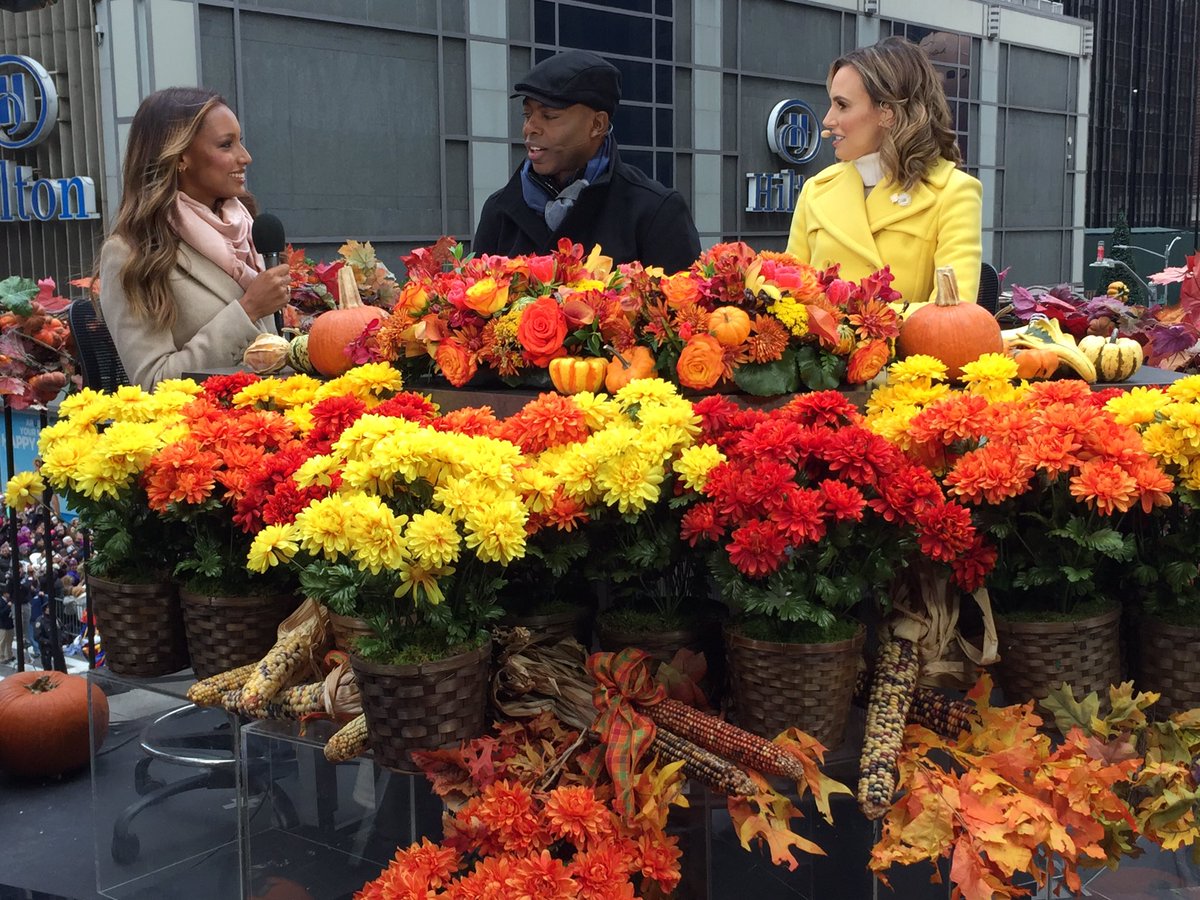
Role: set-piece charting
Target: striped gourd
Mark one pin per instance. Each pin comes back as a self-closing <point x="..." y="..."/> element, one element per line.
<point x="726" y="740"/>
<point x="349" y="741"/>
<point x="272" y="673"/>
<point x="208" y="691"/>
<point x="891" y="696"/>
<point x="700" y="765"/>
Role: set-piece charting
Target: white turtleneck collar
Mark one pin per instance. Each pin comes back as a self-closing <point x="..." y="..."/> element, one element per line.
<point x="870" y="168"/>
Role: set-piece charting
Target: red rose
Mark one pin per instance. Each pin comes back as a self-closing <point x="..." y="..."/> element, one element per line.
<point x="542" y="331"/>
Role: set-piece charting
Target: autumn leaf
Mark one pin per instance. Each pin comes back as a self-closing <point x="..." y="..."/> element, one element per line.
<point x="767" y="816"/>
<point x="811" y="753"/>
<point x="972" y="880"/>
<point x="360" y="256"/>
<point x="1071" y="713"/>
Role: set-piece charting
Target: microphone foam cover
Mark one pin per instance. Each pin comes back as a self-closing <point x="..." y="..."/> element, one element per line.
<point x="267" y="234"/>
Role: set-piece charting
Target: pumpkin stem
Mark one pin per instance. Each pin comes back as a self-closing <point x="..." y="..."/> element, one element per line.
<point x="947" y="287"/>
<point x="42" y="685"/>
<point x="1112" y="338"/>
<point x="617" y="355"/>
<point x="348" y="296"/>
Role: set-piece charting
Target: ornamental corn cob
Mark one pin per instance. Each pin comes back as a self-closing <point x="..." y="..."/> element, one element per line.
<point x="891" y="696"/>
<point x="726" y="740"/>
<point x="701" y="765"/>
<point x="349" y="741"/>
<point x="208" y="691"/>
<point x="275" y="669"/>
<point x="945" y="716"/>
<point x="291" y="703"/>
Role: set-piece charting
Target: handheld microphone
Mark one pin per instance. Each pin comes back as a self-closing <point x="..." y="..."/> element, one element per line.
<point x="267" y="235"/>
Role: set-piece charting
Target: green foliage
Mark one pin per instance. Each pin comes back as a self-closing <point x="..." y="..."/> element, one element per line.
<point x="819" y="369"/>
<point x="1122" y="236"/>
<point x="769" y="379"/>
<point x="130" y="543"/>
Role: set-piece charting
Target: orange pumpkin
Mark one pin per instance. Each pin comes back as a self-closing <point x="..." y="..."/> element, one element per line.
<point x="629" y="366"/>
<point x="572" y="374"/>
<point x="1033" y="363"/>
<point x="44" y="723"/>
<point x="956" y="333"/>
<point x="729" y="325"/>
<point x="332" y="332"/>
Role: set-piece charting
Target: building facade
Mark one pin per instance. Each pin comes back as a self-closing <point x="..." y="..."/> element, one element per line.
<point x="392" y="122"/>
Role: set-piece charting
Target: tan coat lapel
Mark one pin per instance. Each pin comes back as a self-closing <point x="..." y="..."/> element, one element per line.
<point x="207" y="274"/>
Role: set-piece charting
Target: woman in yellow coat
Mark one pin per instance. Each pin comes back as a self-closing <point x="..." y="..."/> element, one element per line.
<point x="897" y="197"/>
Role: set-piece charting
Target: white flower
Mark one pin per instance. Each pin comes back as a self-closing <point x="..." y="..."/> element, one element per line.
<point x="901" y="199"/>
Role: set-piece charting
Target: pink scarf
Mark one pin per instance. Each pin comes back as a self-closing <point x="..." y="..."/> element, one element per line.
<point x="224" y="237"/>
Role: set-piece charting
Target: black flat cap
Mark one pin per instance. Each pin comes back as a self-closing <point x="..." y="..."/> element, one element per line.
<point x="576" y="76"/>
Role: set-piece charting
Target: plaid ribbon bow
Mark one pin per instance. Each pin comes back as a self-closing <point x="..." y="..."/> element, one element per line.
<point x="622" y="680"/>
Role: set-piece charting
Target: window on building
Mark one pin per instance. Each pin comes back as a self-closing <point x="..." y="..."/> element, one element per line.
<point x="638" y="37"/>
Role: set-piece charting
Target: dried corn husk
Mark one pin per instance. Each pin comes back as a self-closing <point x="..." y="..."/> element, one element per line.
<point x="536" y="675"/>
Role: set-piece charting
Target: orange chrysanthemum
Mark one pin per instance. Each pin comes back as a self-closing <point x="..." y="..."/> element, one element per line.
<point x="874" y="320"/>
<point x="574" y="813"/>
<point x="991" y="474"/>
<point x="180" y="473"/>
<point x="507" y="810"/>
<point x="1105" y="486"/>
<point x="542" y="877"/>
<point x="1153" y="484"/>
<point x="768" y="339"/>
<point x="549" y="421"/>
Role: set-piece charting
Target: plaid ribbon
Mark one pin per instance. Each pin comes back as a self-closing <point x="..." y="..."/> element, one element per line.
<point x="623" y="679"/>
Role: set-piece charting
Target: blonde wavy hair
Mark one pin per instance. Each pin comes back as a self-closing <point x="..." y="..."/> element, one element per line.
<point x="899" y="77"/>
<point x="162" y="129"/>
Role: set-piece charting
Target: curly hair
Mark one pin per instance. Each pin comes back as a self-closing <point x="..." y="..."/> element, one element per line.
<point x="162" y="129"/>
<point x="899" y="77"/>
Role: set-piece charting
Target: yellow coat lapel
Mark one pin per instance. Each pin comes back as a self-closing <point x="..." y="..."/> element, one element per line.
<point x="837" y="208"/>
<point x="883" y="212"/>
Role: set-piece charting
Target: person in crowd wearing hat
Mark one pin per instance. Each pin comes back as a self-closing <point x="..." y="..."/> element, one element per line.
<point x="573" y="184"/>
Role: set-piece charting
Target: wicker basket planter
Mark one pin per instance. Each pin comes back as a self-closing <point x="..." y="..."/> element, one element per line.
<point x="141" y="626"/>
<point x="1169" y="664"/>
<point x="1036" y="657"/>
<point x="347" y="629"/>
<point x="809" y="686"/>
<point x="423" y="707"/>
<point x="570" y="623"/>
<point x="660" y="645"/>
<point x="224" y="633"/>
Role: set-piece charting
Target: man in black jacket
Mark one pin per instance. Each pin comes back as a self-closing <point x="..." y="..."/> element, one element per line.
<point x="573" y="183"/>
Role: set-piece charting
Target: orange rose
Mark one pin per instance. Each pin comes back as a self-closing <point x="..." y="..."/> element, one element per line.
<point x="413" y="299"/>
<point x="456" y="362"/>
<point x="866" y="361"/>
<point x="680" y="288"/>
<point x="701" y="362"/>
<point x="542" y="331"/>
<point x="487" y="295"/>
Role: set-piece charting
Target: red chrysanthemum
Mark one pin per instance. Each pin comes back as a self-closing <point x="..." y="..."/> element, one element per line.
<point x="844" y="502"/>
<point x="822" y="408"/>
<point x="972" y="568"/>
<point x="774" y="439"/>
<point x="408" y="405"/>
<point x="945" y="532"/>
<point x="906" y="493"/>
<point x="223" y="388"/>
<point x="861" y="456"/>
<point x="757" y="548"/>
<point x="701" y="523"/>
<point x="331" y="417"/>
<point x="801" y="516"/>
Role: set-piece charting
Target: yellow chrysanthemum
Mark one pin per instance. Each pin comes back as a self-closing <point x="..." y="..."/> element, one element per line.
<point x="462" y="496"/>
<point x="24" y="490"/>
<point x="316" y="470"/>
<point x="577" y="470"/>
<point x="919" y="367"/>
<point x="1184" y="420"/>
<point x="85" y="408"/>
<point x="598" y="409"/>
<point x="630" y="482"/>
<point x="537" y="486"/>
<point x="497" y="532"/>
<point x="414" y="576"/>
<point x="61" y="429"/>
<point x="989" y="367"/>
<point x="1185" y="390"/>
<point x="322" y="527"/>
<point x="917" y="393"/>
<point x="62" y="458"/>
<point x="260" y="393"/>
<point x="359" y="440"/>
<point x="360" y="476"/>
<point x="893" y="424"/>
<point x="296" y="391"/>
<point x="432" y="539"/>
<point x="130" y="445"/>
<point x="129" y="403"/>
<point x="368" y="382"/>
<point x="1138" y="406"/>
<point x="1190" y="475"/>
<point x="187" y="386"/>
<point x="374" y="533"/>
<point x="645" y="391"/>
<point x="301" y="417"/>
<point x="1164" y="443"/>
<point x="695" y="463"/>
<point x="96" y="477"/>
<point x="792" y="315"/>
<point x="274" y="544"/>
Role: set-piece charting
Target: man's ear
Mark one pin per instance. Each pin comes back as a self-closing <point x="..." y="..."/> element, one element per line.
<point x="599" y="123"/>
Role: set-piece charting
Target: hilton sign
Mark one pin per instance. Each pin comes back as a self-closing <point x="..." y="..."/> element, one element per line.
<point x="28" y="113"/>
<point x="793" y="132"/>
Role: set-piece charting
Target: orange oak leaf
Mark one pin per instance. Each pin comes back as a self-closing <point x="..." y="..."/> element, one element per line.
<point x="767" y="817"/>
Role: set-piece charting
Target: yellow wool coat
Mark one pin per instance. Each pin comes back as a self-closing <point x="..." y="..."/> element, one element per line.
<point x="940" y="226"/>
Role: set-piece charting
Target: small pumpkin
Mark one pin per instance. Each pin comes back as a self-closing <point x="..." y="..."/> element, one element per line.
<point x="1115" y="358"/>
<point x="333" y="331"/>
<point x="946" y="329"/>
<point x="267" y="353"/>
<point x="44" y="723"/>
<point x="1033" y="363"/>
<point x="297" y="356"/>
<point x="573" y="374"/>
<point x="629" y="366"/>
<point x="730" y="325"/>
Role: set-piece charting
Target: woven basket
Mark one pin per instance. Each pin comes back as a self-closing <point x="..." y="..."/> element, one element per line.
<point x="423" y="707"/>
<point x="1170" y="664"/>
<point x="141" y="626"/>
<point x="808" y="686"/>
<point x="224" y="633"/>
<point x="347" y="629"/>
<point x="660" y="645"/>
<point x="1036" y="657"/>
<point x="572" y="623"/>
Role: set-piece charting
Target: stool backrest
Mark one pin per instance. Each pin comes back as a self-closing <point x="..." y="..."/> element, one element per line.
<point x="98" y="360"/>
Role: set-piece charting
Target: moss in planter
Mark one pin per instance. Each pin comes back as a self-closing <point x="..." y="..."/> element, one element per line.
<point x="640" y="621"/>
<point x="1084" y="610"/>
<point x="1181" y="617"/>
<point x="763" y="629"/>
<point x="414" y="653"/>
<point x="550" y="607"/>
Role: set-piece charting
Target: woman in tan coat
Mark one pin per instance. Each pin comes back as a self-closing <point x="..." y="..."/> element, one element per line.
<point x="181" y="285"/>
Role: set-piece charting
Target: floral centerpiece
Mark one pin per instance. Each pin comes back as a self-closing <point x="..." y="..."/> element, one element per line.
<point x="314" y="285"/>
<point x="36" y="348"/>
<point x="764" y="322"/>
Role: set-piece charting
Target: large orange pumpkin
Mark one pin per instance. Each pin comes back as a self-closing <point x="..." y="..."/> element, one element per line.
<point x="956" y="333"/>
<point x="332" y="332"/>
<point x="44" y="722"/>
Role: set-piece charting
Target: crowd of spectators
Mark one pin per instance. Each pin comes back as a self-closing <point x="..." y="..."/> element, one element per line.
<point x="42" y="599"/>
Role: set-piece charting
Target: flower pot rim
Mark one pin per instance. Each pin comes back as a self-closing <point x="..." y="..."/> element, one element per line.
<point x="447" y="663"/>
<point x="202" y="599"/>
<point x="1060" y="627"/>
<point x="580" y="611"/>
<point x="133" y="586"/>
<point x="1164" y="625"/>
<point x="676" y="634"/>
<point x="734" y="636"/>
